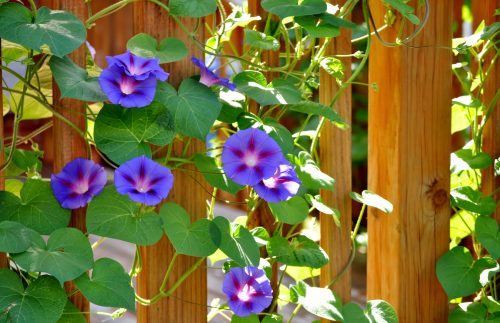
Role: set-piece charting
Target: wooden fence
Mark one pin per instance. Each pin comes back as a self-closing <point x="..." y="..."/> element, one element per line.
<point x="409" y="152"/>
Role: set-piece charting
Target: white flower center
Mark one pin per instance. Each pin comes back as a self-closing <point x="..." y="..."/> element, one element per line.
<point x="251" y="159"/>
<point x="126" y="87"/>
<point x="244" y="294"/>
<point x="81" y="187"/>
<point x="270" y="182"/>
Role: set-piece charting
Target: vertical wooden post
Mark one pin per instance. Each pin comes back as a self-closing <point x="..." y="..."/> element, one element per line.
<point x="409" y="152"/>
<point x="189" y="302"/>
<point x="485" y="10"/>
<point x="3" y="258"/>
<point x="335" y="156"/>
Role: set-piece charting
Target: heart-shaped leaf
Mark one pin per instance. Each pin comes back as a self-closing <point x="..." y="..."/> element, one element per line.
<point x="488" y="233"/>
<point x="37" y="208"/>
<point x="238" y="243"/>
<point x="116" y="216"/>
<point x="318" y="301"/>
<point x="74" y="82"/>
<point x="214" y="174"/>
<point x="287" y="8"/>
<point x="72" y="314"/>
<point x="309" y="173"/>
<point x="66" y="255"/>
<point x="169" y="50"/>
<point x="465" y="159"/>
<point x="14" y="237"/>
<point x="123" y="134"/>
<point x="371" y="199"/>
<point x="109" y="285"/>
<point x="195" y="107"/>
<point x="42" y="302"/>
<point x="192" y="8"/>
<point x="315" y="108"/>
<point x="459" y="274"/>
<point x="293" y="211"/>
<point x="199" y="239"/>
<point x="466" y="198"/>
<point x="260" y="40"/>
<point x="472" y="313"/>
<point x="301" y="251"/>
<point x="279" y="91"/>
<point x="56" y="31"/>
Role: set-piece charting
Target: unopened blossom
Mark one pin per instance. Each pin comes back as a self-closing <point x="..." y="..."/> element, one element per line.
<point x="248" y="290"/>
<point x="144" y="180"/>
<point x="209" y="78"/>
<point x="130" y="80"/>
<point x="78" y="182"/>
<point x="250" y="156"/>
<point x="283" y="185"/>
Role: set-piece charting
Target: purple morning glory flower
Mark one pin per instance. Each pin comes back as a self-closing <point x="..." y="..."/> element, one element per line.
<point x="248" y="289"/>
<point x="130" y="80"/>
<point x="144" y="180"/>
<point x="78" y="182"/>
<point x="209" y="78"/>
<point x="283" y="185"/>
<point x="250" y="155"/>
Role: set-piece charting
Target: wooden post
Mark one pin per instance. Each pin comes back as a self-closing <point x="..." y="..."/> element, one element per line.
<point x="335" y="156"/>
<point x="189" y="302"/>
<point x="409" y="153"/>
<point x="485" y="10"/>
<point x="68" y="144"/>
<point x="4" y="263"/>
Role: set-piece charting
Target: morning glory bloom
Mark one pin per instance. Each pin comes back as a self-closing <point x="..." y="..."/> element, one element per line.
<point x="209" y="78"/>
<point x="78" y="182"/>
<point x="250" y="156"/>
<point x="130" y="80"/>
<point x="248" y="289"/>
<point x="283" y="185"/>
<point x="144" y="180"/>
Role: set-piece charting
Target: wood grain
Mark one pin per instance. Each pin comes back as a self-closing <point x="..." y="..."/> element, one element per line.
<point x="408" y="155"/>
<point x="68" y="144"/>
<point x="189" y="302"/>
<point x="335" y="157"/>
<point x="485" y="10"/>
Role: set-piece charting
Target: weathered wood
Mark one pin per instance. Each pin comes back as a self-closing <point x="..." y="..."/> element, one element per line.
<point x="68" y="144"/>
<point x="188" y="303"/>
<point x="3" y="258"/>
<point x="409" y="151"/>
<point x="335" y="157"/>
<point x="485" y="10"/>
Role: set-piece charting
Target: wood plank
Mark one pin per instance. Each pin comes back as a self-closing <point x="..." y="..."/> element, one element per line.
<point x="188" y="303"/>
<point x="409" y="151"/>
<point x="4" y="263"/>
<point x="485" y="10"/>
<point x="335" y="157"/>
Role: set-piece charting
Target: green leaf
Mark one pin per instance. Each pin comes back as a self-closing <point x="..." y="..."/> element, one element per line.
<point x="74" y="82"/>
<point x="66" y="255"/>
<point x="404" y="9"/>
<point x="301" y="251"/>
<point x="492" y="304"/>
<point x="192" y="8"/>
<point x="464" y="159"/>
<point x="302" y="273"/>
<point x="467" y="101"/>
<point x="319" y="26"/>
<point x="461" y="225"/>
<point x="252" y="318"/>
<point x="260" y="40"/>
<point x="72" y="314"/>
<point x="309" y="107"/>
<point x="279" y="133"/>
<point x="116" y="216"/>
<point x="353" y="313"/>
<point x="488" y="234"/>
<point x="317" y="203"/>
<point x="37" y="208"/>
<point x="169" y="50"/>
<point x="287" y="8"/>
<point x="279" y="91"/>
<point x="14" y="237"/>
<point x="318" y="301"/>
<point x="260" y="235"/>
<point x="123" y="134"/>
<point x="310" y="174"/>
<point x="24" y="161"/>
<point x="109" y="285"/>
<point x="461" y="118"/>
<point x="371" y="199"/>
<point x="12" y="52"/>
<point x="333" y="66"/>
<point x="238" y="243"/>
<point x="458" y="273"/>
<point x="214" y="174"/>
<point x="292" y="211"/>
<point x="472" y="200"/>
<point x="380" y="311"/>
<point x="199" y="239"/>
<point x="470" y="313"/>
<point x="58" y="32"/>
<point x="42" y="302"/>
<point x="194" y="107"/>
